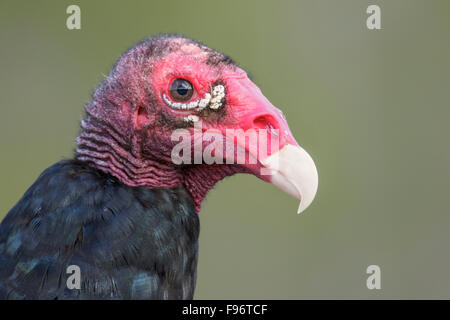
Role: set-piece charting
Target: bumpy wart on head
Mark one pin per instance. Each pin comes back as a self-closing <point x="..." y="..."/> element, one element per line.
<point x="167" y="83"/>
<point x="127" y="128"/>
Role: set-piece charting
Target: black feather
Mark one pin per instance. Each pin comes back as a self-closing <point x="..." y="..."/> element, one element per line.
<point x="129" y="242"/>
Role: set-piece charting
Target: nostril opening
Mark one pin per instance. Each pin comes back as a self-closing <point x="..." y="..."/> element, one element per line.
<point x="266" y="122"/>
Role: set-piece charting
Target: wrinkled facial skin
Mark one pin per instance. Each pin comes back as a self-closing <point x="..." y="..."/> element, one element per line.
<point x="133" y="117"/>
<point x="192" y="64"/>
<point x="178" y="58"/>
<point x="244" y="107"/>
<point x="203" y="69"/>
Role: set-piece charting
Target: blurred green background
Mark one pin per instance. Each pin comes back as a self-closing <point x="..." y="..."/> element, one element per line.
<point x="371" y="107"/>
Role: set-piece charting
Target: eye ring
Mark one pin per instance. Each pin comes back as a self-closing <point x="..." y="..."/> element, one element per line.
<point x="181" y="90"/>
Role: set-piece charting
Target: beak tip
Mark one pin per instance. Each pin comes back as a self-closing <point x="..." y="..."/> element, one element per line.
<point x="296" y="174"/>
<point x="300" y="207"/>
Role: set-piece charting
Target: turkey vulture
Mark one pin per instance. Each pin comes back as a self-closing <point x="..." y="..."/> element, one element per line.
<point x="124" y="211"/>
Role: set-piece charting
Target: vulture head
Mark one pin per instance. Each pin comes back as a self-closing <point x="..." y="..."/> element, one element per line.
<point x="174" y="112"/>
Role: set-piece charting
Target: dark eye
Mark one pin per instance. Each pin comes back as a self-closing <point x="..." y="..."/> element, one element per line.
<point x="181" y="90"/>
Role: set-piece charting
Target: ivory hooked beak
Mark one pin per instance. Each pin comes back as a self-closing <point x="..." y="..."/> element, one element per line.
<point x="293" y="170"/>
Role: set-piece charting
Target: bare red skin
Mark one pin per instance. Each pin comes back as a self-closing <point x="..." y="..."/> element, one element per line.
<point x="128" y="126"/>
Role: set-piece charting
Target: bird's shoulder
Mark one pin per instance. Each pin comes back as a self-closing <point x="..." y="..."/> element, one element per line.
<point x="121" y="237"/>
